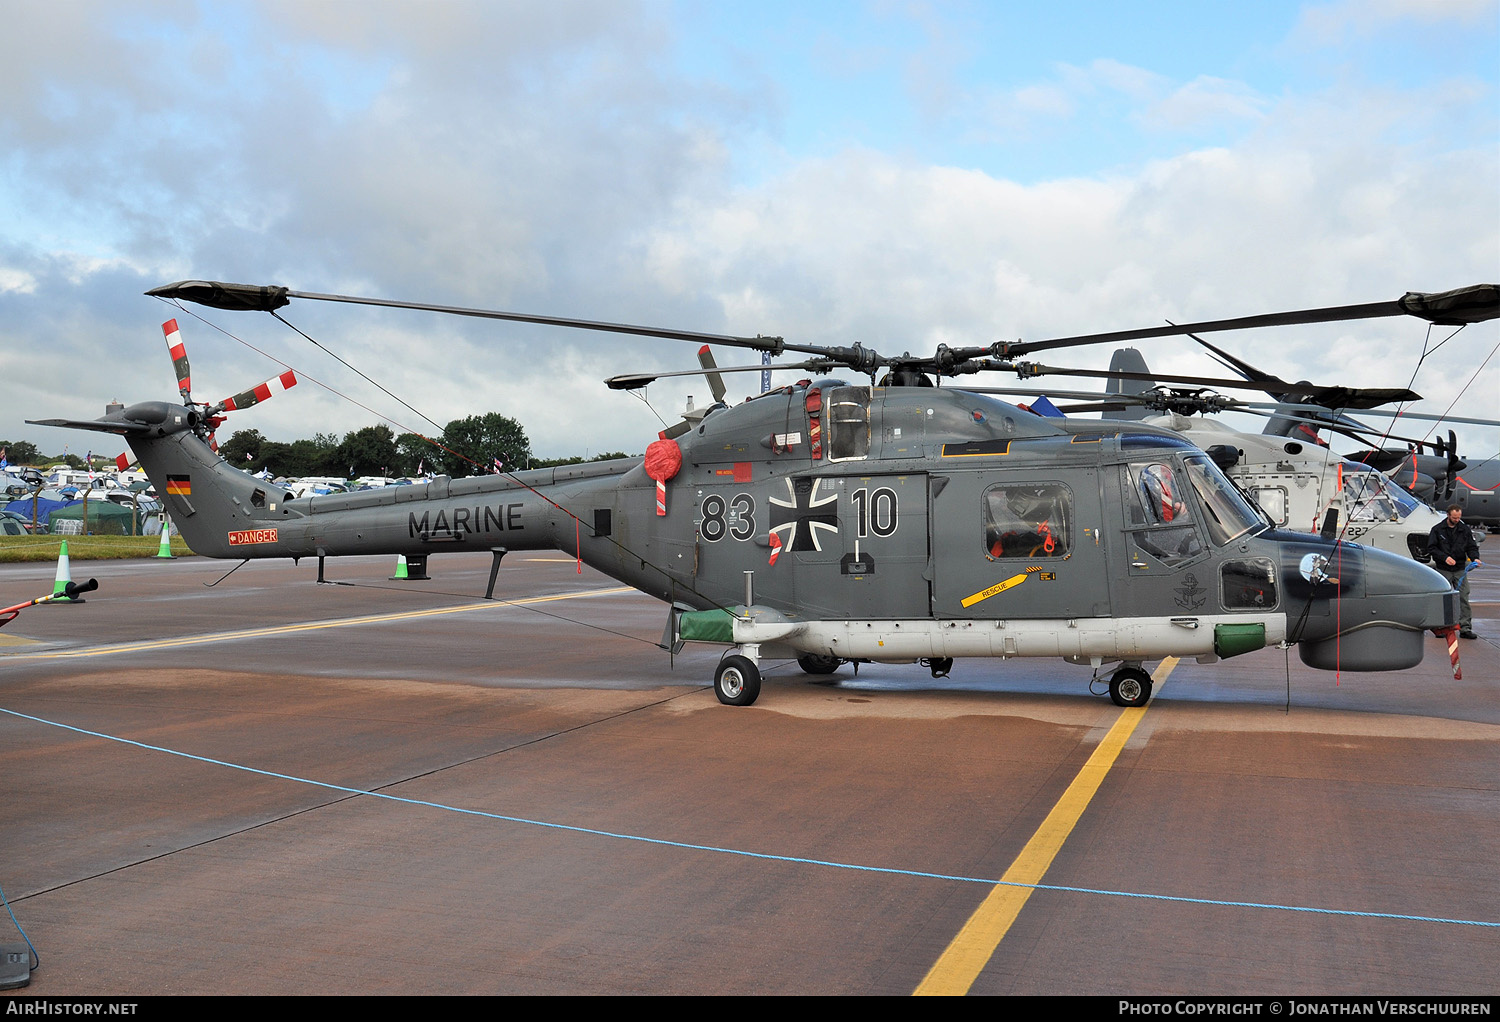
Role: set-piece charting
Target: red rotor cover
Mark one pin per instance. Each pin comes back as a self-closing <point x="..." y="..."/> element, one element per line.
<point x="663" y="459"/>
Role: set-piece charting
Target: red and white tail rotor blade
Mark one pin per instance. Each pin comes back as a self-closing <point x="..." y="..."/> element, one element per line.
<point x="256" y="395"/>
<point x="179" y="359"/>
<point x="710" y="367"/>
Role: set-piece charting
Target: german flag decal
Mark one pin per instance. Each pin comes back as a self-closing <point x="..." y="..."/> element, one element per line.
<point x="182" y="486"/>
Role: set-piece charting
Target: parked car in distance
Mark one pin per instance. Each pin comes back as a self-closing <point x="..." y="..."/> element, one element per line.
<point x="22" y="521"/>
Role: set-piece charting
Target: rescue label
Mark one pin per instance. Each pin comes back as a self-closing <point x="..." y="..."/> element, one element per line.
<point x="997" y="588"/>
<point x="251" y="536"/>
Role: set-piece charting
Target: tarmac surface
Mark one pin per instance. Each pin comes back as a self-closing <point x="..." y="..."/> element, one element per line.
<point x="277" y="787"/>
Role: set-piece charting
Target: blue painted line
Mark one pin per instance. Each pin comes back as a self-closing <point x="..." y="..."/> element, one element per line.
<point x="888" y="870"/>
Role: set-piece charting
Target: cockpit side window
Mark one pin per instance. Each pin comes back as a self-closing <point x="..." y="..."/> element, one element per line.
<point x="1248" y="583"/>
<point x="1158" y="513"/>
<point x="1028" y="521"/>
<point x="848" y="415"/>
<point x="1161" y="497"/>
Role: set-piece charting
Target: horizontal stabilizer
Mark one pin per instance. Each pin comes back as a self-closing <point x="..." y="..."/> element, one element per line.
<point x="117" y="426"/>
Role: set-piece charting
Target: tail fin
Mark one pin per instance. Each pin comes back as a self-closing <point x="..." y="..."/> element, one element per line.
<point x="1128" y="360"/>
<point x="215" y="506"/>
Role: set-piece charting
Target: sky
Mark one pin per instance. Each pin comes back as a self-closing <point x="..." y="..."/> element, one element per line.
<point x="901" y="174"/>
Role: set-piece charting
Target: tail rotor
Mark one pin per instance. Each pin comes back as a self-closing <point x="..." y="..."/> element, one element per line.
<point x="214" y="414"/>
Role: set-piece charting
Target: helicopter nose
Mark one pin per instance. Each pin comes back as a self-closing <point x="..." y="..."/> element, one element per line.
<point x="1376" y="620"/>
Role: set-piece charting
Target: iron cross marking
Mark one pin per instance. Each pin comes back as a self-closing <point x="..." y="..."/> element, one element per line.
<point x="804" y="508"/>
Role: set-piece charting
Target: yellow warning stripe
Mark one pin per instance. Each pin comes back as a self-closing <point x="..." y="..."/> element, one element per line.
<point x="960" y="964"/>
<point x="256" y="633"/>
<point x="998" y="587"/>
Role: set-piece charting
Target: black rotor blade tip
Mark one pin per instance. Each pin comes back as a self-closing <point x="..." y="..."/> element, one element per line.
<point x="628" y="381"/>
<point x="217" y="295"/>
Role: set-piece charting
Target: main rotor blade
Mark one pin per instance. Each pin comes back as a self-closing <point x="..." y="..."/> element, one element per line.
<point x="251" y="297"/>
<point x="1473" y="304"/>
<point x="1065" y="395"/>
<point x="1148" y="398"/>
<point x="1239" y="365"/>
<point x="633" y="381"/>
<point x="1429" y="417"/>
<point x="1328" y="397"/>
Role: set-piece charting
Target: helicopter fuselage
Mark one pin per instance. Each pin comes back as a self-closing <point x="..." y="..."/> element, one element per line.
<point x="873" y="523"/>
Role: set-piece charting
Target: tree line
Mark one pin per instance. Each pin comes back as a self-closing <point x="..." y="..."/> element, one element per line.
<point x="468" y="446"/>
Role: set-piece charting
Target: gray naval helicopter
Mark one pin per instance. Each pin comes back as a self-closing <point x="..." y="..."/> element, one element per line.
<point x="1443" y="477"/>
<point x="895" y="521"/>
<point x="1440" y="478"/>
<point x="1288" y="470"/>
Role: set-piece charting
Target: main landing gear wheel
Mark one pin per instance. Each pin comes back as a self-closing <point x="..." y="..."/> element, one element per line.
<point x="815" y="664"/>
<point x="1130" y="686"/>
<point x="737" y="681"/>
<point x="939" y="666"/>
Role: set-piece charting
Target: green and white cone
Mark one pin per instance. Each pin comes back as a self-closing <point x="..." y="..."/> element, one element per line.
<point x="64" y="576"/>
<point x="165" y="548"/>
<point x="401" y="572"/>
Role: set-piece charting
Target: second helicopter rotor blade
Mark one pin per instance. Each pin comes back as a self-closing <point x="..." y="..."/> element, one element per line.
<point x="1474" y="304"/>
<point x="1333" y="397"/>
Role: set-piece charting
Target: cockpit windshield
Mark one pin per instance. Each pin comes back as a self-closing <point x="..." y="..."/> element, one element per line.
<point x="1227" y="513"/>
<point x="1370" y="497"/>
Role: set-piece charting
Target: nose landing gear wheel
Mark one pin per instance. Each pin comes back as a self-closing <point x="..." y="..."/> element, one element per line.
<point x="737" y="681"/>
<point x="1130" y="686"/>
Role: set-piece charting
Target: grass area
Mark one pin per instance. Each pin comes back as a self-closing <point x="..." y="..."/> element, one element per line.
<point x="84" y="548"/>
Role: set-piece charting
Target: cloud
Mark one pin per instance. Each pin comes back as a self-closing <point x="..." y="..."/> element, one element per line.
<point x="549" y="159"/>
<point x="1329" y="23"/>
<point x="1108" y="89"/>
<point x="1204" y="101"/>
<point x="16" y="280"/>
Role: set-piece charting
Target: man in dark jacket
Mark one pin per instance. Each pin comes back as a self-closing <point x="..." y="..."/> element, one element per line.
<point x="1452" y="546"/>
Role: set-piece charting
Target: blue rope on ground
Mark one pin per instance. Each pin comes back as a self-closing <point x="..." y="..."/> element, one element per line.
<point x="888" y="870"/>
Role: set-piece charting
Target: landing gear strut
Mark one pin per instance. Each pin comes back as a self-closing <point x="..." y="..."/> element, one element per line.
<point x="1130" y="686"/>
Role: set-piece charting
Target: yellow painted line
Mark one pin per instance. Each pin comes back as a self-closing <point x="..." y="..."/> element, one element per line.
<point x="994" y="590"/>
<point x="970" y="951"/>
<point x="311" y="626"/>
